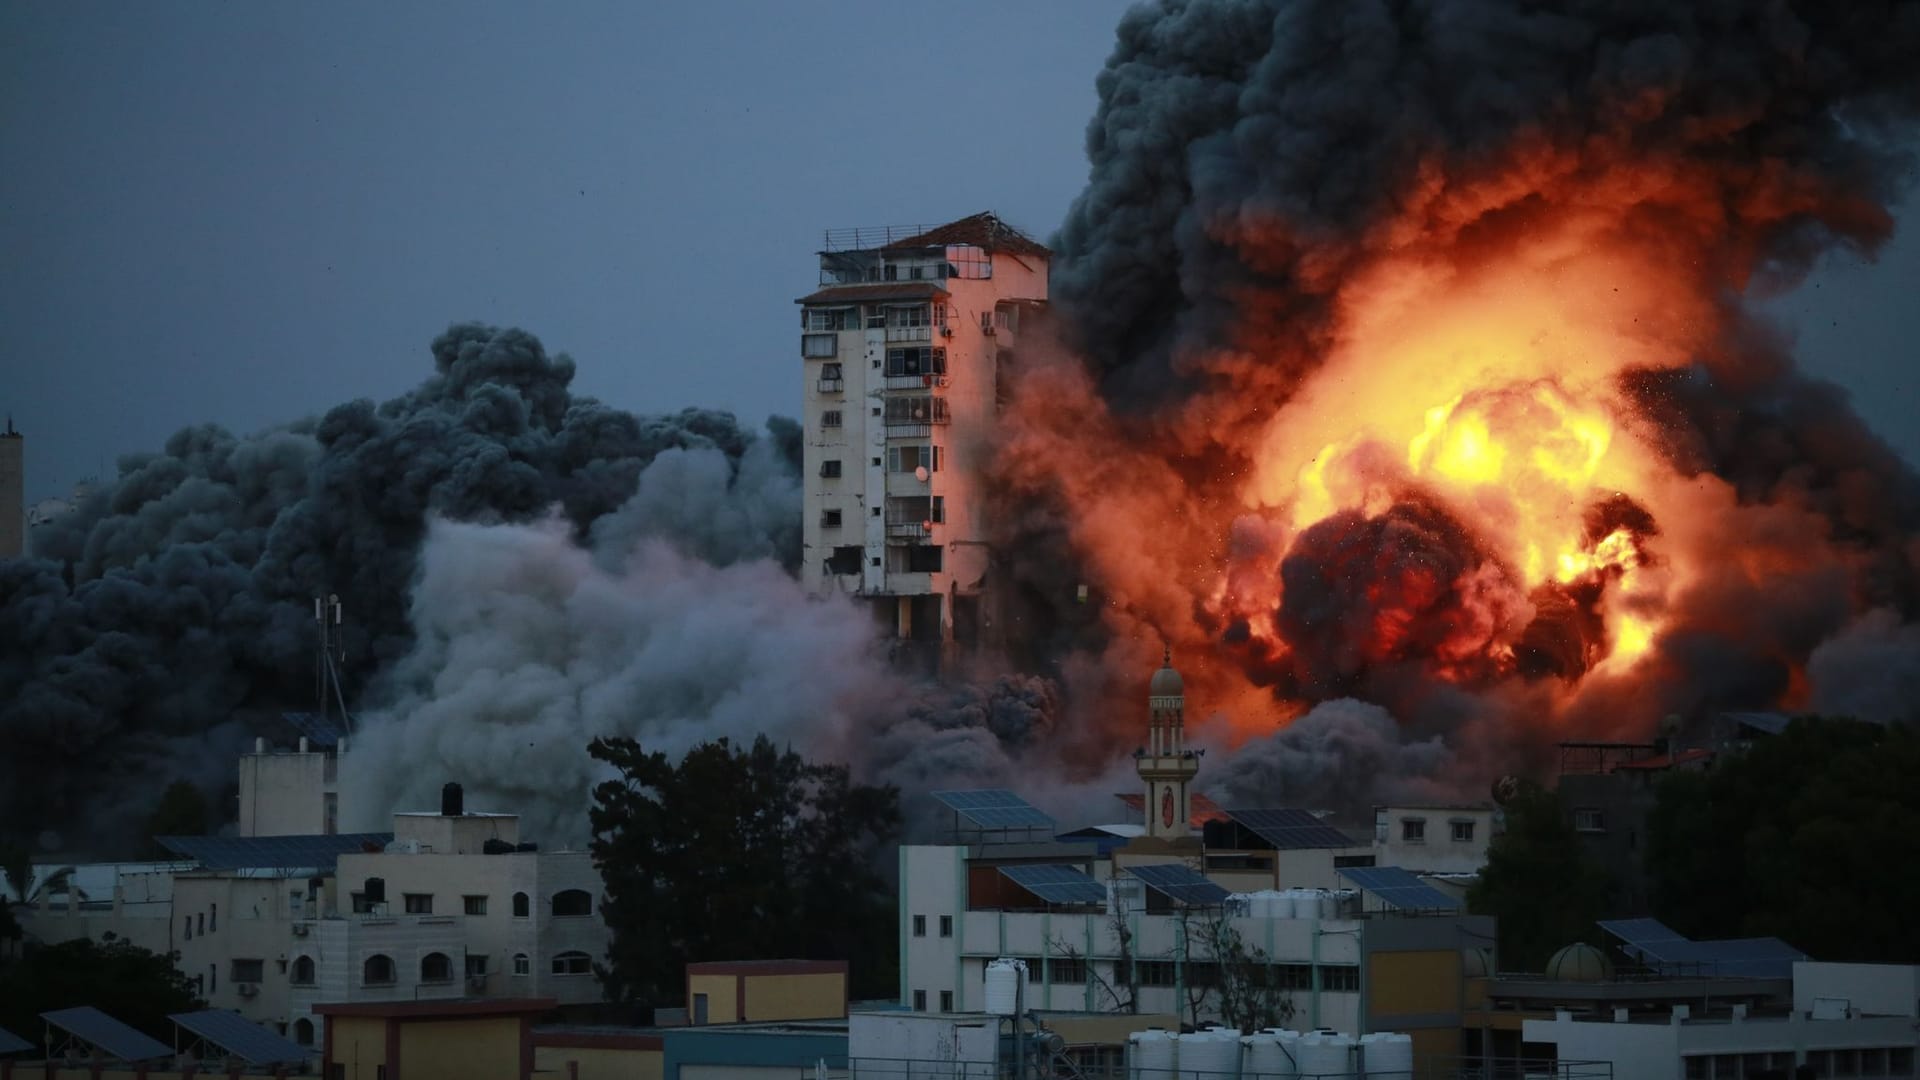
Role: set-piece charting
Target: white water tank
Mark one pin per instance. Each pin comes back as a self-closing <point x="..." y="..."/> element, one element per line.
<point x="1329" y="904"/>
<point x="1210" y="1055"/>
<point x="1267" y="1057"/>
<point x="1387" y="1055"/>
<point x="1152" y="1055"/>
<point x="1004" y="978"/>
<point x="1280" y="904"/>
<point x="1325" y="1054"/>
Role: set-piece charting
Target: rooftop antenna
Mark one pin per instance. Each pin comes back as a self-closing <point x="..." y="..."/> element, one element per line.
<point x="328" y="614"/>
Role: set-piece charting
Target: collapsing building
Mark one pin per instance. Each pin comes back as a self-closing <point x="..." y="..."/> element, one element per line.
<point x="905" y="347"/>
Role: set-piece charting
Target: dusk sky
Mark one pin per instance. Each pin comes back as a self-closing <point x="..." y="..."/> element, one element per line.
<point x="245" y="214"/>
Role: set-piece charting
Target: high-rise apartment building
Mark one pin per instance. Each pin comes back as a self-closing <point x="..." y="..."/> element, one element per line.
<point x="905" y="346"/>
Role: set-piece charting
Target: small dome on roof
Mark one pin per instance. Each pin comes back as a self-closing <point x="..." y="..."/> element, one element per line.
<point x="1476" y="963"/>
<point x="1166" y="682"/>
<point x="1580" y="962"/>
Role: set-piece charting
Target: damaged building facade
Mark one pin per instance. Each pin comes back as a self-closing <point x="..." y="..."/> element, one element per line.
<point x="905" y="347"/>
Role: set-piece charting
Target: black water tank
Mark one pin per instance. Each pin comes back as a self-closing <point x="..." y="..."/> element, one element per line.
<point x="375" y="890"/>
<point x="493" y="846"/>
<point x="451" y="802"/>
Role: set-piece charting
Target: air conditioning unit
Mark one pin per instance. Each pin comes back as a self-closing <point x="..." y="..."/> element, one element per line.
<point x="476" y="982"/>
<point x="246" y="990"/>
<point x="300" y="929"/>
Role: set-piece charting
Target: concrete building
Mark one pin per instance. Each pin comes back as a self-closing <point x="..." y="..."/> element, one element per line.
<point x="13" y="493"/>
<point x="1831" y="1020"/>
<point x="758" y="991"/>
<point x="1098" y="934"/>
<point x="904" y="348"/>
<point x="1444" y="839"/>
<point x="431" y="1040"/>
<point x="291" y="791"/>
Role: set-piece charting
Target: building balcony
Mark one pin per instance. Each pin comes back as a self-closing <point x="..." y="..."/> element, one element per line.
<point x="908" y="530"/>
<point x="909" y="431"/>
<point x="909" y="333"/>
<point x="916" y="382"/>
<point x="830" y="386"/>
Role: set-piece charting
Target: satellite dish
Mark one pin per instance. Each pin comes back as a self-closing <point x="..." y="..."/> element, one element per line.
<point x="920" y="474"/>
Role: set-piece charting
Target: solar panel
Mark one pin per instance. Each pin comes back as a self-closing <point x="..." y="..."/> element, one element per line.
<point x="272" y="852"/>
<point x="241" y="1037"/>
<point x="1670" y="952"/>
<point x="994" y="808"/>
<point x="1179" y="883"/>
<point x="11" y="1043"/>
<point x="105" y="1034"/>
<point x="1291" y="830"/>
<point x="1399" y="888"/>
<point x="321" y="731"/>
<point x="1057" y="884"/>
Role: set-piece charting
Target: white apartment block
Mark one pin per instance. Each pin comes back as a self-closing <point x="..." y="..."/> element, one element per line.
<point x="903" y="348"/>
<point x="1442" y="839"/>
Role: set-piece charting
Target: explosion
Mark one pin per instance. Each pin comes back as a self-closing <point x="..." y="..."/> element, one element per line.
<point x="1414" y="362"/>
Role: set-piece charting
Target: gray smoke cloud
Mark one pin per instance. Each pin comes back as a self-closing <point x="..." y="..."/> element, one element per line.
<point x="1342" y="755"/>
<point x="181" y="592"/>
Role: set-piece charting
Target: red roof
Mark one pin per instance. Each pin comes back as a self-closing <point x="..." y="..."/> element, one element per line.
<point x="982" y="230"/>
<point x="1202" y="811"/>
<point x="875" y="293"/>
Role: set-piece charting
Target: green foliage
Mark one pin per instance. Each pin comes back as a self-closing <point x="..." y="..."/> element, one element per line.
<point x="739" y="854"/>
<point x="1539" y="883"/>
<point x="121" y="979"/>
<point x="181" y="811"/>
<point x="1812" y="835"/>
<point x="1239" y="976"/>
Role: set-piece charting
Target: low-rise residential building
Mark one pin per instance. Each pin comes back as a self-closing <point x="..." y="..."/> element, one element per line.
<point x="432" y="1040"/>
<point x="1449" y="838"/>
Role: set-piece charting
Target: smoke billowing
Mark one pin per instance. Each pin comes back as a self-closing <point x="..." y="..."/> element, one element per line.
<point x="1406" y="385"/>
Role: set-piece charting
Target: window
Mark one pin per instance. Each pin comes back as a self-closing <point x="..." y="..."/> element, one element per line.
<point x="419" y="903"/>
<point x="830" y="371"/>
<point x="476" y="965"/>
<point x="1413" y="830"/>
<point x="303" y="1031"/>
<point x="844" y="560"/>
<point x="474" y="905"/>
<point x="1291" y="976"/>
<point x="1589" y="819"/>
<point x="213" y="977"/>
<point x="1462" y="832"/>
<point x="946" y="928"/>
<point x="302" y="971"/>
<point x="521" y="909"/>
<point x="1154" y="972"/>
<point x="829" y="519"/>
<point x="830" y="418"/>
<point x="906" y="459"/>
<point x="571" y="903"/>
<point x="919" y="926"/>
<point x="1069" y="969"/>
<point x="203" y="922"/>
<point x="213" y="916"/>
<point x="377" y="970"/>
<point x="920" y="360"/>
<point x="917" y="409"/>
<point x="814" y="346"/>
<point x="827" y="320"/>
<point x="915" y="315"/>
<point x="830" y="468"/>
<point x="946" y="1001"/>
<point x="436" y="968"/>
<point x="521" y="964"/>
<point x="361" y="905"/>
<point x="1342" y="861"/>
<point x="189" y="921"/>
<point x="241" y="970"/>
<point x="919" y="1001"/>
<point x="915" y="559"/>
<point x="1699" y="1067"/>
<point x="331" y="814"/>
<point x="573" y="963"/>
<point x="1339" y="977"/>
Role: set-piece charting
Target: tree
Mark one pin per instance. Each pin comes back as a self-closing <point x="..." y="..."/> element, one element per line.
<point x="121" y="979"/>
<point x="1539" y="883"/>
<point x="739" y="854"/>
<point x="1812" y="835"/>
<point x="1239" y="978"/>
<point x="181" y="811"/>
